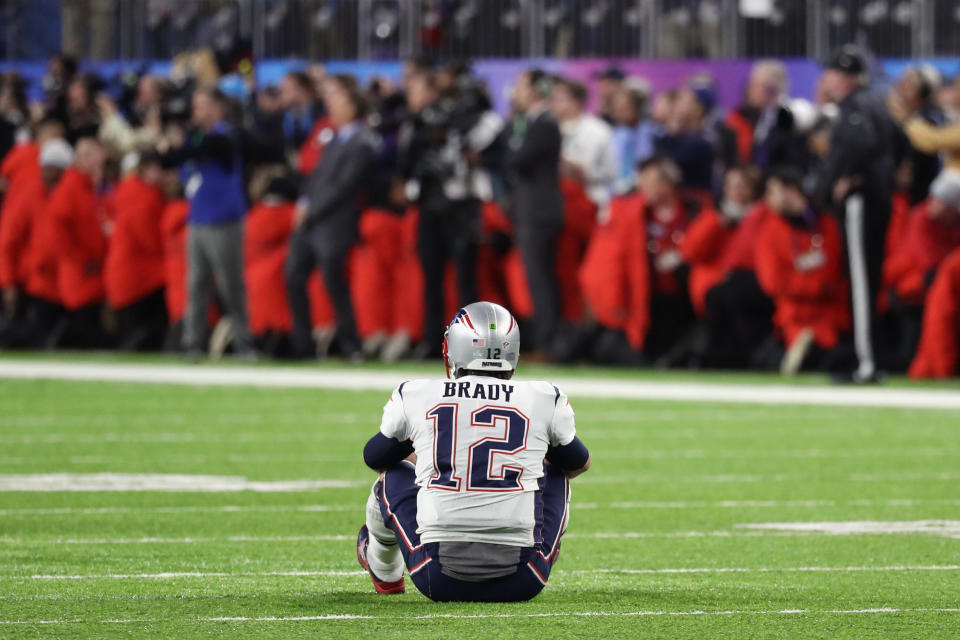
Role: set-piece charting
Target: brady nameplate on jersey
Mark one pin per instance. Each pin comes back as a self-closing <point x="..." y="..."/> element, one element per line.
<point x="476" y="390"/>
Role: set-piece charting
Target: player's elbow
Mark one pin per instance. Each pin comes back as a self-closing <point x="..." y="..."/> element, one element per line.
<point x="581" y="470"/>
<point x="382" y="452"/>
<point x="572" y="458"/>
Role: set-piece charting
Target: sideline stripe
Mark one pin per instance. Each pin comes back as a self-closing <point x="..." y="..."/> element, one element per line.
<point x="172" y="575"/>
<point x="319" y="508"/>
<point x="351" y="379"/>
<point x="90" y="511"/>
<point x="184" y="540"/>
<point x="600" y="535"/>
<point x="551" y="614"/>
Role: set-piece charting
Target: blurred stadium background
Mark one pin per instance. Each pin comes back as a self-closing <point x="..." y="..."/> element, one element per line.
<point x="715" y="95"/>
<point x="145" y="496"/>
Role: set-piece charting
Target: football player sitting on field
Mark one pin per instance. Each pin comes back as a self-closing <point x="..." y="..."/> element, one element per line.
<point x="473" y="493"/>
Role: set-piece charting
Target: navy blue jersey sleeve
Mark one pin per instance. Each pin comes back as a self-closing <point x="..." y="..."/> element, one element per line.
<point x="382" y="452"/>
<point x="569" y="457"/>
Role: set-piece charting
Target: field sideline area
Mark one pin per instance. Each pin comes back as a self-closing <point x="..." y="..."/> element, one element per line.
<point x="141" y="497"/>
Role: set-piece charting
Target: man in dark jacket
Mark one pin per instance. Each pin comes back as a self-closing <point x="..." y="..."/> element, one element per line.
<point x="857" y="177"/>
<point x="212" y="162"/>
<point x="327" y="215"/>
<point x="533" y="159"/>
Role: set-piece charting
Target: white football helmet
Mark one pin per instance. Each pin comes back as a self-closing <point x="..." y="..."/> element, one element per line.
<point x="482" y="337"/>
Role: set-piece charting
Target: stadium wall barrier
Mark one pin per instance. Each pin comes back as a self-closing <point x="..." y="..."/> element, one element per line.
<point x="730" y="75"/>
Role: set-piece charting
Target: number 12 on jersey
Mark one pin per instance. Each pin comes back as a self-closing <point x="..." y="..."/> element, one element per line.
<point x="482" y="451"/>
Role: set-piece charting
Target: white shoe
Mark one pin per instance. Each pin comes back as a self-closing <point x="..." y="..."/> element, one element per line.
<point x="323" y="338"/>
<point x="221" y="338"/>
<point x="374" y="344"/>
<point x="396" y="347"/>
<point x="797" y="353"/>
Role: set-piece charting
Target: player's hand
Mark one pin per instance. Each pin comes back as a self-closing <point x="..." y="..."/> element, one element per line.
<point x="841" y="189"/>
<point x="411" y="458"/>
<point x="153" y="120"/>
<point x="106" y="106"/>
<point x="897" y="107"/>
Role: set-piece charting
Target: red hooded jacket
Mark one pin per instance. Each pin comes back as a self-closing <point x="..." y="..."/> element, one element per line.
<point x="266" y="242"/>
<point x="81" y="217"/>
<point x="938" y="350"/>
<point x="713" y="249"/>
<point x="802" y="271"/>
<point x="173" y="227"/>
<point x="925" y="244"/>
<point x="615" y="274"/>
<point x="134" y="267"/>
<point x="21" y="170"/>
<point x="19" y="212"/>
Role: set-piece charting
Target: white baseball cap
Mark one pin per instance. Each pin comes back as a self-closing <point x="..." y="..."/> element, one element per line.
<point x="56" y="153"/>
<point x="946" y="188"/>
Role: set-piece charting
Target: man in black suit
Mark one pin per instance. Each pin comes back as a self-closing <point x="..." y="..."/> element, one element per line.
<point x="533" y="159"/>
<point x="327" y="215"/>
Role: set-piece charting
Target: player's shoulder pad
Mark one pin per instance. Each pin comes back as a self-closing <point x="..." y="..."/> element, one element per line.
<point x="546" y="388"/>
<point x="410" y="387"/>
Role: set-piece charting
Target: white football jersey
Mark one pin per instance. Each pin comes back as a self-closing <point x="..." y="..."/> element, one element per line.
<point x="480" y="444"/>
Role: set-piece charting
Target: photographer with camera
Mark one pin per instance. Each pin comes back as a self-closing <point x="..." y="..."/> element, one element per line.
<point x="211" y="156"/>
<point x="440" y="149"/>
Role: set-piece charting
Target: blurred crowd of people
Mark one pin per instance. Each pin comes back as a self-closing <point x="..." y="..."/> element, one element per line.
<point x="323" y="217"/>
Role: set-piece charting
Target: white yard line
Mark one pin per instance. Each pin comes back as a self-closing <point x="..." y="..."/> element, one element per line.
<point x="174" y="575"/>
<point x="183" y="540"/>
<point x="946" y="528"/>
<point x="319" y="508"/>
<point x="99" y="511"/>
<point x="189" y="483"/>
<point x="352" y="379"/>
<point x="340" y="538"/>
<point x="334" y="617"/>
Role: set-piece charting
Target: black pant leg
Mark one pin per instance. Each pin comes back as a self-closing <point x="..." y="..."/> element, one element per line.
<point x="463" y="236"/>
<point x="84" y="328"/>
<point x="538" y="248"/>
<point x="431" y="245"/>
<point x="143" y="324"/>
<point x="670" y="317"/>
<point x="43" y="319"/>
<point x="335" y="280"/>
<point x="300" y="264"/>
<point x="866" y="217"/>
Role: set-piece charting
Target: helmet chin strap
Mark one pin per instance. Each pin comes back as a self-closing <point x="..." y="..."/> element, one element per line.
<point x="446" y="360"/>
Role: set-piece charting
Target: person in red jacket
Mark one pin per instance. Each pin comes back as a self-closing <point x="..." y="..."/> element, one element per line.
<point x="21" y="162"/>
<point x="720" y="248"/>
<point x="134" y="273"/>
<point x="174" y="229"/>
<point x="799" y="265"/>
<point x="266" y="243"/>
<point x="20" y="175"/>
<point x="932" y="232"/>
<point x="940" y="340"/>
<point x="29" y="265"/>
<point x="81" y="215"/>
<point x="633" y="277"/>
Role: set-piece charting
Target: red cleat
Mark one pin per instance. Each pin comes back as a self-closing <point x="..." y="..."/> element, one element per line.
<point x="382" y="586"/>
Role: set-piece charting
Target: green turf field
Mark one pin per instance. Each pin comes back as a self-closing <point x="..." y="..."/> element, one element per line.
<point x="656" y="545"/>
